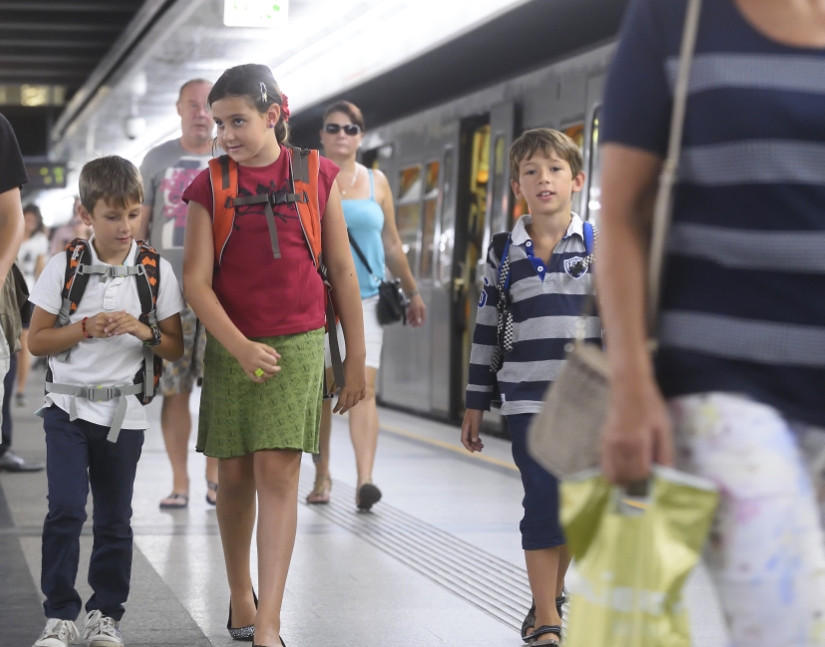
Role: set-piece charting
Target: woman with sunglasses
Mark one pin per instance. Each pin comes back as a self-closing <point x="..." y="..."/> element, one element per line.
<point x="370" y="217"/>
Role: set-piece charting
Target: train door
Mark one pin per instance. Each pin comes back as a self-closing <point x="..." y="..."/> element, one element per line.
<point x="483" y="208"/>
<point x="470" y="235"/>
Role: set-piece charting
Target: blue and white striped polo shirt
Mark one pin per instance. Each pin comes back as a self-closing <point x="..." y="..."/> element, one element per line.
<point x="545" y="303"/>
<point x="743" y="305"/>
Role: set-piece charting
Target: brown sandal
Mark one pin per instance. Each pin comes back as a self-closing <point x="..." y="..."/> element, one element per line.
<point x="321" y="492"/>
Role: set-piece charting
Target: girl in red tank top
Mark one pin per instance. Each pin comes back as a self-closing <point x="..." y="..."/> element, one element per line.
<point x="264" y="362"/>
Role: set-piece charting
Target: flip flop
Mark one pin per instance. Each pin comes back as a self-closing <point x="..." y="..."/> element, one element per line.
<point x="175" y="501"/>
<point x="211" y="486"/>
<point x="321" y="491"/>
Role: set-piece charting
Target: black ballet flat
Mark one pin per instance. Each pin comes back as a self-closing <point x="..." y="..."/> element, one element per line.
<point x="241" y="633"/>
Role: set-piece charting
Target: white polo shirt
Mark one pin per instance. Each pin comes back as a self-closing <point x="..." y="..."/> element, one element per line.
<point x="113" y="361"/>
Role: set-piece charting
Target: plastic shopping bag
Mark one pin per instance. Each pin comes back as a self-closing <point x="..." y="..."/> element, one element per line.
<point x="633" y="556"/>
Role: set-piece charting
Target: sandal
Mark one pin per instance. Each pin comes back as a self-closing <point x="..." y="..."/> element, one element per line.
<point x="211" y="486"/>
<point x="542" y="631"/>
<point x="320" y="493"/>
<point x="530" y="618"/>
<point x="174" y="501"/>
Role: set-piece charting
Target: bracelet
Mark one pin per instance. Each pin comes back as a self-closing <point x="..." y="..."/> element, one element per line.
<point x="414" y="293"/>
<point x="83" y="328"/>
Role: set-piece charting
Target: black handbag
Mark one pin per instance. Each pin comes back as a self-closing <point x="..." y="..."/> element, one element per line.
<point x="392" y="304"/>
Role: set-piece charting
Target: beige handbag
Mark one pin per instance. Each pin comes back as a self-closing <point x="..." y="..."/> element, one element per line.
<point x="565" y="437"/>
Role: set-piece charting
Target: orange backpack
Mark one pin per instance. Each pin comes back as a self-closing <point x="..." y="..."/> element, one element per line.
<point x="304" y="165"/>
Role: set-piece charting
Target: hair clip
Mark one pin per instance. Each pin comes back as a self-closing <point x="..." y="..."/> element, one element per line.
<point x="263" y="92"/>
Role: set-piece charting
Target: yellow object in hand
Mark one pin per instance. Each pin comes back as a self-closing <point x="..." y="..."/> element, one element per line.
<point x="259" y="372"/>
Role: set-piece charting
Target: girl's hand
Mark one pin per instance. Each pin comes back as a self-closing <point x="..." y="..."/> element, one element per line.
<point x="259" y="361"/>
<point x="356" y="389"/>
<point x="637" y="433"/>
<point x="469" y="430"/>
<point x="122" y="323"/>
<point x="416" y="312"/>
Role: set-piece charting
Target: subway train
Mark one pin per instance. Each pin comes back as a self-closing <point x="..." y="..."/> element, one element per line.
<point x="449" y="172"/>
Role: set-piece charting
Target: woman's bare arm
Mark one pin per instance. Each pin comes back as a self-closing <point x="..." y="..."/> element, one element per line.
<point x="394" y="251"/>
<point x="638" y="429"/>
<point x="346" y="297"/>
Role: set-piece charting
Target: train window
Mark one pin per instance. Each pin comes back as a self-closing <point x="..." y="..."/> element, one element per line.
<point x="594" y="192"/>
<point x="430" y="212"/>
<point x="447" y="230"/>
<point x="408" y="210"/>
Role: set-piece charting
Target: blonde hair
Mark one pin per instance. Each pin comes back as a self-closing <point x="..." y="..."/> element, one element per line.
<point x="547" y="141"/>
<point x="112" y="179"/>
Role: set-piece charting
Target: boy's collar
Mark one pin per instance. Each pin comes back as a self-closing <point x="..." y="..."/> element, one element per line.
<point x="520" y="235"/>
<point x="129" y="260"/>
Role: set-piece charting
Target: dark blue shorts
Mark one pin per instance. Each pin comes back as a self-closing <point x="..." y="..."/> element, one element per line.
<point x="540" y="527"/>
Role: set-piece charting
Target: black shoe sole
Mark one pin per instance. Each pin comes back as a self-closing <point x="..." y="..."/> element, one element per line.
<point x="368" y="496"/>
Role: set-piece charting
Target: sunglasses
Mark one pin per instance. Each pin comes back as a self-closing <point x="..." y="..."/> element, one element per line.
<point x="350" y="129"/>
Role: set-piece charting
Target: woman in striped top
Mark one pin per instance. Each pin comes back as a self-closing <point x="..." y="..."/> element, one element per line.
<point x="742" y="323"/>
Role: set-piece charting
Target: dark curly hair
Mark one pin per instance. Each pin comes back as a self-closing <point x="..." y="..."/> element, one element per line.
<point x="245" y="81"/>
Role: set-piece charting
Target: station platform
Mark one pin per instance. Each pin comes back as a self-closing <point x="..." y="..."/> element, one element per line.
<point x="437" y="562"/>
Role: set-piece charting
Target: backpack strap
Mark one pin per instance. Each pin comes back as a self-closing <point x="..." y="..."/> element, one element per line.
<point x="75" y="280"/>
<point x="591" y="238"/>
<point x="148" y="287"/>
<point x="223" y="175"/>
<point x="304" y="168"/>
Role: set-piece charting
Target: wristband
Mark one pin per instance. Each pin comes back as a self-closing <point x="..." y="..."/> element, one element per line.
<point x="83" y="328"/>
<point x="156" y="336"/>
<point x="412" y="294"/>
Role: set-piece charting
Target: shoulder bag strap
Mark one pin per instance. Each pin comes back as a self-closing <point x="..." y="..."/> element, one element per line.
<point x="663" y="209"/>
<point x="360" y="253"/>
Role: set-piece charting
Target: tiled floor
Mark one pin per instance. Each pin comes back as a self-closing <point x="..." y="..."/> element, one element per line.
<point x="390" y="578"/>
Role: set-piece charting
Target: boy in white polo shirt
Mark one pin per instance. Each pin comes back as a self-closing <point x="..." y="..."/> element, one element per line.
<point x="101" y="340"/>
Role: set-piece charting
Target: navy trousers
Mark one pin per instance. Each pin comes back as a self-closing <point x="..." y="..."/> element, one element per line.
<point x="78" y="455"/>
<point x="540" y="527"/>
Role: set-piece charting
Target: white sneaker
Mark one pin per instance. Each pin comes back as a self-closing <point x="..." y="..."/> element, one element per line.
<point x="58" y="633"/>
<point x="102" y="631"/>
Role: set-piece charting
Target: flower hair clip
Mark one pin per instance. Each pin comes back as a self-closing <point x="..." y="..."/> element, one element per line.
<point x="284" y="107"/>
<point x="263" y="92"/>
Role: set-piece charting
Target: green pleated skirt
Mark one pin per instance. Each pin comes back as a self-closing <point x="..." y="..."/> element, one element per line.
<point x="239" y="416"/>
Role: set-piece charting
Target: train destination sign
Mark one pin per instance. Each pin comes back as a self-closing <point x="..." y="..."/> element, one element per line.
<point x="46" y="175"/>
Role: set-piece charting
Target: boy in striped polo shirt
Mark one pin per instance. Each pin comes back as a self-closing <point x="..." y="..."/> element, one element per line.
<point x="549" y="280"/>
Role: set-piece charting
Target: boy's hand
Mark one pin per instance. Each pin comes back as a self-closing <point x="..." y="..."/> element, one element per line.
<point x="469" y="430"/>
<point x="356" y="389"/>
<point x="259" y="361"/>
<point x="122" y="323"/>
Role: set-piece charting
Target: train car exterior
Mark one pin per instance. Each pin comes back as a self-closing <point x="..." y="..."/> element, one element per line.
<point x="448" y="170"/>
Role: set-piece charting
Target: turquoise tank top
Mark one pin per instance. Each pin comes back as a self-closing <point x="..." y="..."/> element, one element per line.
<point x="365" y="222"/>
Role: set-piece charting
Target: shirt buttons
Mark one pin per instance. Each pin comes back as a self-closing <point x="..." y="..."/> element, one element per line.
<point x="529" y="243"/>
<point x="541" y="269"/>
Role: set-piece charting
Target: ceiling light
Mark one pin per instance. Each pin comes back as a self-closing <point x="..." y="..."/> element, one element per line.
<point x="255" y="13"/>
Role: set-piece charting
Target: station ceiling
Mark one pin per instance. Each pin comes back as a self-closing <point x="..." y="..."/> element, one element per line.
<point x="103" y="61"/>
<point x="48" y="49"/>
